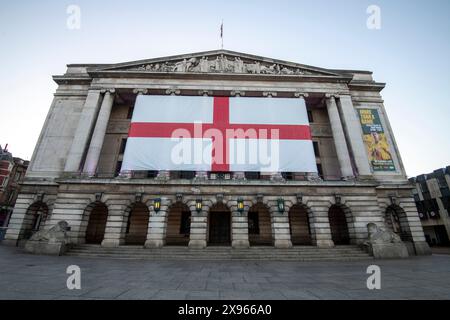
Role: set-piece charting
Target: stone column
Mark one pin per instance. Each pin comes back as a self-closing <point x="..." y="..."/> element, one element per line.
<point x="339" y="138"/>
<point x="321" y="224"/>
<point x="115" y="224"/>
<point x="280" y="227"/>
<point x="353" y="128"/>
<point x="93" y="155"/>
<point x="239" y="227"/>
<point x="199" y="227"/>
<point x="156" y="234"/>
<point x="82" y="133"/>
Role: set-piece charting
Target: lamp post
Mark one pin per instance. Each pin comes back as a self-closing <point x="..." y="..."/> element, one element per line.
<point x="240" y="205"/>
<point x="199" y="205"/>
<point x="280" y="203"/>
<point x="157" y="204"/>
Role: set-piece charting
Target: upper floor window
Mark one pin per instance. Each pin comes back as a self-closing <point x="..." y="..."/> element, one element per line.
<point x="310" y="116"/>
<point x="316" y="149"/>
<point x="123" y="144"/>
<point x="130" y="112"/>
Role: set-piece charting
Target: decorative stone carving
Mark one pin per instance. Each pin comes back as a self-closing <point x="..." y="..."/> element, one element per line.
<point x="384" y="244"/>
<point x="52" y="241"/>
<point x="221" y="64"/>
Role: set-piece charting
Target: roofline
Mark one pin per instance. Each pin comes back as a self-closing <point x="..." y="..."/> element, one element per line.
<point x="220" y="51"/>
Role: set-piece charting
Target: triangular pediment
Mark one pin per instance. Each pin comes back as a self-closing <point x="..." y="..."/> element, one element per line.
<point x="218" y="61"/>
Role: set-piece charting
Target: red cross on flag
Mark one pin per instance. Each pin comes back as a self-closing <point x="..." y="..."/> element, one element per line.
<point x="200" y="133"/>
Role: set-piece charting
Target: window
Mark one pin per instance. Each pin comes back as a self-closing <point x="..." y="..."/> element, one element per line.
<point x="319" y="170"/>
<point x="130" y="112"/>
<point x="310" y="116"/>
<point x="185" y="225"/>
<point x="252" y="175"/>
<point x="253" y="222"/>
<point x="219" y="175"/>
<point x="152" y="174"/>
<point x="123" y="144"/>
<point x="287" y="175"/>
<point x="316" y="149"/>
<point x="118" y="167"/>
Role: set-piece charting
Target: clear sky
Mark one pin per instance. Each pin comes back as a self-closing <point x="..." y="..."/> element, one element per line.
<point x="411" y="53"/>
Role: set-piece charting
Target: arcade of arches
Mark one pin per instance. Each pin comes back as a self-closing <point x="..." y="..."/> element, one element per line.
<point x="177" y="225"/>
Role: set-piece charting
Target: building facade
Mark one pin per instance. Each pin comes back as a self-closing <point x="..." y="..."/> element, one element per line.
<point x="432" y="196"/>
<point x="12" y="173"/>
<point x="360" y="177"/>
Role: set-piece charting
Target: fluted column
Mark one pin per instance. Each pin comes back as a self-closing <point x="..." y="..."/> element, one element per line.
<point x="93" y="155"/>
<point x="81" y="137"/>
<point x="339" y="138"/>
<point x="353" y="128"/>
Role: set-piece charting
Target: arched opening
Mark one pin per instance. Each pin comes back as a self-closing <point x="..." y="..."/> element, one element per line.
<point x="299" y="224"/>
<point x="178" y="225"/>
<point x="219" y="225"/>
<point x="96" y="226"/>
<point x="338" y="225"/>
<point x="397" y="222"/>
<point x="137" y="225"/>
<point x="259" y="226"/>
<point x="35" y="219"/>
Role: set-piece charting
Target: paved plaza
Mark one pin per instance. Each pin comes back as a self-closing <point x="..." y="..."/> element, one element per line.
<point x="25" y="276"/>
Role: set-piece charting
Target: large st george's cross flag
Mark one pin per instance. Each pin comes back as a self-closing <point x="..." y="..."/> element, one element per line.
<point x="222" y="134"/>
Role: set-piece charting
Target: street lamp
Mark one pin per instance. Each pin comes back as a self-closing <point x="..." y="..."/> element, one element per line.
<point x="157" y="204"/>
<point x="240" y="205"/>
<point x="199" y="205"/>
<point x="280" y="203"/>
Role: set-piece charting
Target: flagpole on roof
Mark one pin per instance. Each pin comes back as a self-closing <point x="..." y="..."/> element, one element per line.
<point x="221" y="32"/>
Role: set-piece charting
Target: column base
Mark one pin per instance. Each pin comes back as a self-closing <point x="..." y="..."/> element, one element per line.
<point x="240" y="244"/>
<point x="283" y="244"/>
<point x="239" y="175"/>
<point x="422" y="248"/>
<point x="9" y="242"/>
<point x="277" y="177"/>
<point x="111" y="243"/>
<point x="325" y="243"/>
<point x="154" y="244"/>
<point x="201" y="176"/>
<point x="197" y="244"/>
<point x="163" y="176"/>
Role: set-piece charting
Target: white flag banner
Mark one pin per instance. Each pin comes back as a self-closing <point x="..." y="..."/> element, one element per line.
<point x="199" y="133"/>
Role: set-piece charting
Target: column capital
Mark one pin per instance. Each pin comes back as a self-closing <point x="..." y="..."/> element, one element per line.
<point x="301" y="95"/>
<point x="108" y="90"/>
<point x="269" y="94"/>
<point x="237" y="93"/>
<point x="331" y="95"/>
<point x="173" y="92"/>
<point x="205" y="93"/>
<point x="139" y="91"/>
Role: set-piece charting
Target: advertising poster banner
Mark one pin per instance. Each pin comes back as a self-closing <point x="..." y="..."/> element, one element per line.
<point x="375" y="140"/>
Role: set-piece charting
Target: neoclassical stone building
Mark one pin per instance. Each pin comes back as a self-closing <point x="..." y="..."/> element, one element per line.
<point x="75" y="175"/>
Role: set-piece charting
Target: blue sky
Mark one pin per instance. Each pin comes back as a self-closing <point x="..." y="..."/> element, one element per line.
<point x="411" y="53"/>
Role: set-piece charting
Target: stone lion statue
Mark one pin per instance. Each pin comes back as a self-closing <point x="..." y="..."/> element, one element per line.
<point x="380" y="236"/>
<point x="57" y="233"/>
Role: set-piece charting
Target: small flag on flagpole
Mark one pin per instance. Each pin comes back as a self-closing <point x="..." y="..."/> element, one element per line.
<point x="221" y="33"/>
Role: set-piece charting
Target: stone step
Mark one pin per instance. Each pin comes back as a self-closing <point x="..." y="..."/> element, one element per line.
<point x="300" y="253"/>
<point x="193" y="258"/>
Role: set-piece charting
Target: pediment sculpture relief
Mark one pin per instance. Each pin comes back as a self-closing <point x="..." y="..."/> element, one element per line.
<point x="221" y="64"/>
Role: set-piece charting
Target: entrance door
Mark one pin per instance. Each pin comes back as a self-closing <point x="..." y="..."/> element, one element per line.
<point x="97" y="223"/>
<point x="219" y="228"/>
<point x="338" y="225"/>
